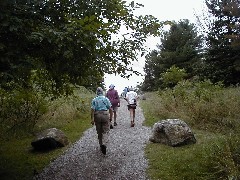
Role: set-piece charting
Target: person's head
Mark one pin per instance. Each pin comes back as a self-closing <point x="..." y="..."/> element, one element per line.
<point x="99" y="91"/>
<point x="111" y="86"/>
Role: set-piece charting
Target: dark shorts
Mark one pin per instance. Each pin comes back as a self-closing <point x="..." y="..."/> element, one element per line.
<point x="132" y="106"/>
<point x="115" y="109"/>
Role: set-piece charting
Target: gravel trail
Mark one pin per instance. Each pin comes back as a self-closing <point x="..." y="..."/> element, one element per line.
<point x="124" y="159"/>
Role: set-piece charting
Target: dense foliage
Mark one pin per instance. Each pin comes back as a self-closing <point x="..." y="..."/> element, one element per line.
<point x="69" y="42"/>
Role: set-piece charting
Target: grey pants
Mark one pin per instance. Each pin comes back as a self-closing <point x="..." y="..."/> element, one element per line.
<point x="101" y="119"/>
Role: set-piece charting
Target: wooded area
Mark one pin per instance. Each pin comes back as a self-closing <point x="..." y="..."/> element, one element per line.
<point x="207" y="50"/>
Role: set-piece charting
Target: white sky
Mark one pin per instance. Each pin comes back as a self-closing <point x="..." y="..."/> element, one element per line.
<point x="163" y="10"/>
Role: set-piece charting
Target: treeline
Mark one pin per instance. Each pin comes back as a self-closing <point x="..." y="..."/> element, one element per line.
<point x="185" y="53"/>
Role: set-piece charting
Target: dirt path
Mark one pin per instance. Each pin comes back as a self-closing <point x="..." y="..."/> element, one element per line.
<point x="125" y="154"/>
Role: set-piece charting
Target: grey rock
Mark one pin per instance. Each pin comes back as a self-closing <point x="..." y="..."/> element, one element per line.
<point x="50" y="139"/>
<point x="172" y="132"/>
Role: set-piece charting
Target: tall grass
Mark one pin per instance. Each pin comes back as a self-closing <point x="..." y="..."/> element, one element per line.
<point x="65" y="110"/>
<point x="212" y="112"/>
<point x="202" y="105"/>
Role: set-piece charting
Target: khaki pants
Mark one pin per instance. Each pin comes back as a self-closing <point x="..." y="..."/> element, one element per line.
<point x="101" y="119"/>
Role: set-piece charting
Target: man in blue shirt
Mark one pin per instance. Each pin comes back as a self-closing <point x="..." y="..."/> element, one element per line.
<point x="125" y="90"/>
<point x="101" y="107"/>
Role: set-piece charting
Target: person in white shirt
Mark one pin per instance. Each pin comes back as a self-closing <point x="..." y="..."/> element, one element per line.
<point x="131" y="98"/>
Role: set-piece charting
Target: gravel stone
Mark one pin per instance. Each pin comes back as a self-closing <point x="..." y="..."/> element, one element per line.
<point x="125" y="157"/>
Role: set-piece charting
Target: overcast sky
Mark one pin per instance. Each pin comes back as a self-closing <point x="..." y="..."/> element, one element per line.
<point x="163" y="10"/>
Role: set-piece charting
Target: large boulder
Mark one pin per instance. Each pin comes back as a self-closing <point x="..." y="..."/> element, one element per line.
<point x="172" y="132"/>
<point x="50" y="139"/>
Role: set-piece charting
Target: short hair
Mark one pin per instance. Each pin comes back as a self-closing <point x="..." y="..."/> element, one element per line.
<point x="99" y="91"/>
<point x="111" y="86"/>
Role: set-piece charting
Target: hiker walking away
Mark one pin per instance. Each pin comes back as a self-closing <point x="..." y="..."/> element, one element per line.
<point x="125" y="90"/>
<point x="113" y="96"/>
<point x="101" y="112"/>
<point x="131" y="98"/>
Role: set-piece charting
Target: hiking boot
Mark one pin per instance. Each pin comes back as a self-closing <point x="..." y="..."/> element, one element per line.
<point x="115" y="124"/>
<point x="132" y="124"/>
<point x="104" y="149"/>
<point x="111" y="126"/>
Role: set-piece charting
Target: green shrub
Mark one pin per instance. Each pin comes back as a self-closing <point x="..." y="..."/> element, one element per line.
<point x="20" y="111"/>
<point x="172" y="76"/>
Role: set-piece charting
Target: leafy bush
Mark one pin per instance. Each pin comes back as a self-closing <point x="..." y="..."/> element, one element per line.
<point x="20" y="110"/>
<point x="172" y="76"/>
